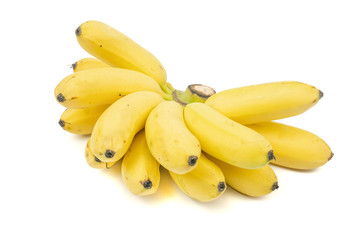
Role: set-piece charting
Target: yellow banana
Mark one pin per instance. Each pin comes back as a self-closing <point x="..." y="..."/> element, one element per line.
<point x="226" y="139"/>
<point x="93" y="161"/>
<point x="116" y="127"/>
<point x="100" y="86"/>
<point x="140" y="170"/>
<point x="205" y="183"/>
<point x="294" y="147"/>
<point x="265" y="102"/>
<point x="81" y="121"/>
<point x="251" y="182"/>
<point x="114" y="48"/>
<point x="169" y="140"/>
<point x="88" y="63"/>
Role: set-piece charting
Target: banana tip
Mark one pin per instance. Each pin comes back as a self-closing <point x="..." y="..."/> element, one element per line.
<point x="321" y="94"/>
<point x="331" y="156"/>
<point x="78" y="31"/>
<point x="275" y="186"/>
<point x="221" y="186"/>
<point x="270" y="155"/>
<point x="96" y="159"/>
<point x="61" y="123"/>
<point x="192" y="160"/>
<point x="74" y="65"/>
<point x="147" y="184"/>
<point x="60" y="97"/>
<point x="109" y="153"/>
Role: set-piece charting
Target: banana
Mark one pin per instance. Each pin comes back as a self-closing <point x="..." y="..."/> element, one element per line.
<point x="169" y="140"/>
<point x="294" y="147"/>
<point x="114" y="48"/>
<point x="265" y="102"/>
<point x="251" y="182"/>
<point x="116" y="127"/>
<point x="100" y="86"/>
<point x="93" y="161"/>
<point x="88" y="63"/>
<point x="140" y="170"/>
<point x="226" y="139"/>
<point x="205" y="183"/>
<point x="81" y="121"/>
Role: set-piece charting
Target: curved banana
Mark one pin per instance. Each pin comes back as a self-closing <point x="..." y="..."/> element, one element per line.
<point x="294" y="147"/>
<point x="81" y="121"/>
<point x="117" y="50"/>
<point x="140" y="170"/>
<point x="169" y="140"/>
<point x="93" y="161"/>
<point x="265" y="102"/>
<point x="116" y="127"/>
<point x="88" y="63"/>
<point x="100" y="86"/>
<point x="251" y="182"/>
<point x="226" y="139"/>
<point x="205" y="183"/>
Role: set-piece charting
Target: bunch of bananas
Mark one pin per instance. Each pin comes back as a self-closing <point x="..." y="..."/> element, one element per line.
<point x="206" y="140"/>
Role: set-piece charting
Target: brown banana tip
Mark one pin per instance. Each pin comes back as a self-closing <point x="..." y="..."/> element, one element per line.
<point x="221" y="186"/>
<point x="192" y="160"/>
<point x="61" y="123"/>
<point x="321" y="94"/>
<point x="78" y="31"/>
<point x="331" y="156"/>
<point x="96" y="159"/>
<point x="275" y="186"/>
<point x="109" y="153"/>
<point x="60" y="98"/>
<point x="270" y="155"/>
<point x="74" y="65"/>
<point x="147" y="184"/>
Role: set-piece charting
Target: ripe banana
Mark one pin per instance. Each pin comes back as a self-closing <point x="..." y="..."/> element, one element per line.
<point x="88" y="63"/>
<point x="169" y="140"/>
<point x="93" y="161"/>
<point x="265" y="102"/>
<point x="251" y="182"/>
<point x="116" y="127"/>
<point x="100" y="86"/>
<point x="140" y="170"/>
<point x="205" y="183"/>
<point x="294" y="147"/>
<point x="117" y="50"/>
<point x="81" y="121"/>
<point x="226" y="139"/>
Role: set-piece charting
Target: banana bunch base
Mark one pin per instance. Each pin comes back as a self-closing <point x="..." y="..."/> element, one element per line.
<point x="121" y="98"/>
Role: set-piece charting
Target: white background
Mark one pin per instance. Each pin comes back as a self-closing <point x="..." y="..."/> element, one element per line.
<point x="49" y="192"/>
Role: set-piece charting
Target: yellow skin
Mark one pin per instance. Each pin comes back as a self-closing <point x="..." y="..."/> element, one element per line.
<point x="116" y="127"/>
<point x="169" y="140"/>
<point x="294" y="147"/>
<point x="99" y="86"/>
<point x="140" y="170"/>
<point x="251" y="182"/>
<point x="88" y="63"/>
<point x="205" y="183"/>
<point x="117" y="50"/>
<point x="93" y="161"/>
<point x="265" y="102"/>
<point x="226" y="139"/>
<point x="81" y="121"/>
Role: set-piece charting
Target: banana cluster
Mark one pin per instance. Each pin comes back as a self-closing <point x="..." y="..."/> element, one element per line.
<point x="121" y="98"/>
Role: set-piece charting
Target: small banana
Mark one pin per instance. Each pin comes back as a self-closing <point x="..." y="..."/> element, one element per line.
<point x="205" y="183"/>
<point x="116" y="127"/>
<point x="101" y="86"/>
<point x="265" y="102"/>
<point x="88" y="63"/>
<point x="114" y="48"/>
<point x="169" y="140"/>
<point x="93" y="161"/>
<point x="81" y="121"/>
<point x="251" y="182"/>
<point x="140" y="170"/>
<point x="226" y="139"/>
<point x="294" y="147"/>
